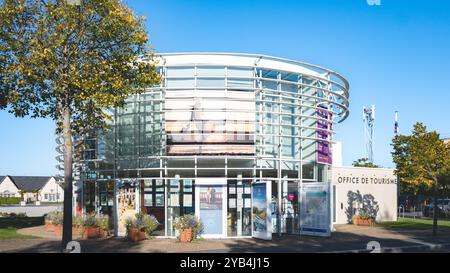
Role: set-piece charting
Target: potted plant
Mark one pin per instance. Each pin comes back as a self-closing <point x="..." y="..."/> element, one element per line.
<point x="90" y="226"/>
<point x="103" y="225"/>
<point x="363" y="218"/>
<point x="141" y="226"/>
<point x="77" y="227"/>
<point x="53" y="222"/>
<point x="189" y="227"/>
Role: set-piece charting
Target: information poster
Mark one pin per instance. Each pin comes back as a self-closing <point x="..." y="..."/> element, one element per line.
<point x="211" y="206"/>
<point x="315" y="209"/>
<point x="261" y="212"/>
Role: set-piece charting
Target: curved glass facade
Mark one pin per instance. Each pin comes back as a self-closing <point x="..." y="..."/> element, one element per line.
<point x="235" y="117"/>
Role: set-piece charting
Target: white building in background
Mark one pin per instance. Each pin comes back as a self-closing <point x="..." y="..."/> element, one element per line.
<point x="32" y="188"/>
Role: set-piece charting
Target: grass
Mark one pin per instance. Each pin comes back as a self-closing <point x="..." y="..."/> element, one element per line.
<point x="418" y="224"/>
<point x="10" y="225"/>
<point x="11" y="233"/>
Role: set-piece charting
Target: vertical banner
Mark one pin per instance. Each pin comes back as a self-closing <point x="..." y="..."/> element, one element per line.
<point x="323" y="145"/>
<point x="261" y="210"/>
<point x="315" y="209"/>
<point x="126" y="203"/>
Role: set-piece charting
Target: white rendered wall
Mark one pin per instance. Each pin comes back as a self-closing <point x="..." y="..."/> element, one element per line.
<point x="368" y="181"/>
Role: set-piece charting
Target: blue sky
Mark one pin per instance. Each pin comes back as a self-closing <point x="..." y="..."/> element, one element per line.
<point x="395" y="56"/>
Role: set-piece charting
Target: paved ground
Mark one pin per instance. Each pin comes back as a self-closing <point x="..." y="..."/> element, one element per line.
<point x="347" y="238"/>
<point x="31" y="210"/>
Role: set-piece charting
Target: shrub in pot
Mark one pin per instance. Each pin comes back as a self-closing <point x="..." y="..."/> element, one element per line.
<point x="363" y="219"/>
<point x="77" y="227"/>
<point x="189" y="227"/>
<point x="53" y="222"/>
<point x="103" y="225"/>
<point x="140" y="226"/>
<point x="90" y="227"/>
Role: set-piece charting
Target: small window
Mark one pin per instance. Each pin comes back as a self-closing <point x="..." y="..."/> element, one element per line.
<point x="46" y="196"/>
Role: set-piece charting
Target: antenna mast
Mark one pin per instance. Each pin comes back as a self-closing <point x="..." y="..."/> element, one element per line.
<point x="369" y="124"/>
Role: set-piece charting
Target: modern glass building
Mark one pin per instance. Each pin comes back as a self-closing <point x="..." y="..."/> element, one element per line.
<point x="217" y="123"/>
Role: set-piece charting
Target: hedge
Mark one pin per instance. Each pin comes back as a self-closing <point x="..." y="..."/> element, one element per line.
<point x="10" y="200"/>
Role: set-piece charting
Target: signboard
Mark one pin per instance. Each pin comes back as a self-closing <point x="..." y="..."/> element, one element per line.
<point x="315" y="209"/>
<point x="261" y="210"/>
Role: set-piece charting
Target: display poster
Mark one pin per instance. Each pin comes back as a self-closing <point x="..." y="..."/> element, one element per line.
<point x="315" y="209"/>
<point x="126" y="203"/>
<point x="211" y="205"/>
<point x="261" y="210"/>
<point x="207" y="125"/>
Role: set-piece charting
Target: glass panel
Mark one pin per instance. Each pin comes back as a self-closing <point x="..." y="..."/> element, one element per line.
<point x="308" y="171"/>
<point x="159" y="199"/>
<point x="270" y="85"/>
<point x="210" y="71"/>
<point x="174" y="185"/>
<point x="239" y="83"/>
<point x="239" y="72"/>
<point x="187" y="185"/>
<point x="219" y="82"/>
<point x="180" y="72"/>
<point x="148" y="199"/>
<point x="148" y="185"/>
<point x="180" y="83"/>
<point x="187" y="200"/>
<point x="159" y="185"/>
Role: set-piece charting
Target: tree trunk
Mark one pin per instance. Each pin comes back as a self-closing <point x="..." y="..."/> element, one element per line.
<point x="435" y="210"/>
<point x="67" y="222"/>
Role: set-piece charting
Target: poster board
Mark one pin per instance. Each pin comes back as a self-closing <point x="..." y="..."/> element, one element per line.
<point x="261" y="210"/>
<point x="315" y="217"/>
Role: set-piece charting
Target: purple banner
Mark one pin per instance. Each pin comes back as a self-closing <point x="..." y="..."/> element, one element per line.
<point x="323" y="147"/>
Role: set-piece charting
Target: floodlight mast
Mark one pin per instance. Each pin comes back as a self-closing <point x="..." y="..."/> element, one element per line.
<point x="369" y="125"/>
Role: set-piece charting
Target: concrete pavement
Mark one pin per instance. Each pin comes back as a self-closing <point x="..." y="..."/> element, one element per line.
<point x="346" y="238"/>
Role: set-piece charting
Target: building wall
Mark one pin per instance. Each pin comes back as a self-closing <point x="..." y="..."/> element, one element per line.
<point x="8" y="188"/>
<point x="51" y="188"/>
<point x="377" y="184"/>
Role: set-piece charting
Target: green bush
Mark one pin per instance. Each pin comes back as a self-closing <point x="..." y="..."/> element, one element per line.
<point x="10" y="200"/>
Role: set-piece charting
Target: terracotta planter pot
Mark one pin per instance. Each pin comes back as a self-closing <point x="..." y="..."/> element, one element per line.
<point x="77" y="232"/>
<point x="102" y="233"/>
<point x="186" y="235"/>
<point x="362" y="222"/>
<point x="135" y="235"/>
<point x="58" y="230"/>
<point x="50" y="227"/>
<point x="90" y="233"/>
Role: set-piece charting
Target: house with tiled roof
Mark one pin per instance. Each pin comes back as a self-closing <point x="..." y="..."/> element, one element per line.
<point x="31" y="188"/>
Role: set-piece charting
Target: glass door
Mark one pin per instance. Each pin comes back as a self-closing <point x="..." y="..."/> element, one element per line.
<point x="152" y="200"/>
<point x="180" y="201"/>
<point x="239" y="208"/>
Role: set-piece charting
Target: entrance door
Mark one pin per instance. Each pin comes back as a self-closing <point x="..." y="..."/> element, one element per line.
<point x="152" y="201"/>
<point x="211" y="198"/>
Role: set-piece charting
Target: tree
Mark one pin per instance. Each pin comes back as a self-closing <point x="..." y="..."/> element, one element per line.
<point x="423" y="163"/>
<point x="364" y="162"/>
<point x="70" y="63"/>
